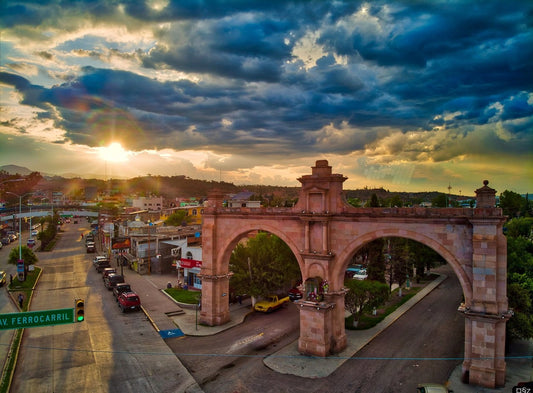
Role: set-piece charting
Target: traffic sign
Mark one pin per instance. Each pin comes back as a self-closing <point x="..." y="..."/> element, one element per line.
<point x="36" y="318"/>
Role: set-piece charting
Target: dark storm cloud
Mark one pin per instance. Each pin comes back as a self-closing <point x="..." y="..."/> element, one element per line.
<point x="402" y="65"/>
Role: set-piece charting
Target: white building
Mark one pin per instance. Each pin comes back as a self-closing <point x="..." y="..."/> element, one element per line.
<point x="151" y="203"/>
<point x="188" y="256"/>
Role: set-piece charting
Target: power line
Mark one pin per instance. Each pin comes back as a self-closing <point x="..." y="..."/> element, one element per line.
<point x="318" y="358"/>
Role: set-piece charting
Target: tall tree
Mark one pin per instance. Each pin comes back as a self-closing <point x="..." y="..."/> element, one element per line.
<point x="374" y="259"/>
<point x="363" y="295"/>
<point x="400" y="261"/>
<point x="262" y="266"/>
<point x="511" y="203"/>
<point x="440" y="200"/>
<point x="374" y="201"/>
<point x="27" y="255"/>
<point x="177" y="218"/>
<point x="519" y="281"/>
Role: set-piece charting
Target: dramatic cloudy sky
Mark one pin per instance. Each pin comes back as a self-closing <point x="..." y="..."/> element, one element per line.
<point x="408" y="95"/>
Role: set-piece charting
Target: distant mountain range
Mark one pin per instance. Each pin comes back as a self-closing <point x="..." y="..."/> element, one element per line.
<point x="15" y="169"/>
<point x="177" y="185"/>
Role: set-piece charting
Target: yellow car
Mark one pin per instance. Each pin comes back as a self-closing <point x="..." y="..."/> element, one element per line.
<point x="2" y="278"/>
<point x="270" y="304"/>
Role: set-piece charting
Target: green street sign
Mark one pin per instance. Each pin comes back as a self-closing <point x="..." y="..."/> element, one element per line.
<point x="36" y="318"/>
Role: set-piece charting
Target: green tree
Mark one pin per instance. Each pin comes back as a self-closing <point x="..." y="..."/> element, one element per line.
<point x="177" y="218"/>
<point x="364" y="295"/>
<point x="355" y="202"/>
<point x="520" y="326"/>
<point x="511" y="203"/>
<point x="519" y="256"/>
<point x="49" y="231"/>
<point x="400" y="261"/>
<point x="440" y="200"/>
<point x="263" y="266"/>
<point x="519" y="280"/>
<point x="373" y="258"/>
<point x="27" y="255"/>
<point x="374" y="201"/>
<point x="394" y="201"/>
<point x="519" y="227"/>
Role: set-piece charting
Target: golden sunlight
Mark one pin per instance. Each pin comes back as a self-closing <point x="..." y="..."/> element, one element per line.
<point x="114" y="153"/>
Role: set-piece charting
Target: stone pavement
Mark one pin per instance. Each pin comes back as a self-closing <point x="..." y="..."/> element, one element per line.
<point x="288" y="360"/>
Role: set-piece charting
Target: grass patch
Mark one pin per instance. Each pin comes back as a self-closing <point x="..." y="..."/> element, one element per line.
<point x="368" y="320"/>
<point x="15" y="288"/>
<point x="184" y="296"/>
<point x="25" y="287"/>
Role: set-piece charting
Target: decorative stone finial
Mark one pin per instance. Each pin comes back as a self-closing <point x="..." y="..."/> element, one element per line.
<point x="485" y="196"/>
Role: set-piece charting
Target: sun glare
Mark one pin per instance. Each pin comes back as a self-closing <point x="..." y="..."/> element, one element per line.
<point x="114" y="153"/>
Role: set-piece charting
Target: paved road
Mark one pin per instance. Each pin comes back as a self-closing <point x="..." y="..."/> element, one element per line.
<point x="232" y="361"/>
<point x="109" y="352"/>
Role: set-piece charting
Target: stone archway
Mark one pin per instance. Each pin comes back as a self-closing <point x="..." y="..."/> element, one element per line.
<point x="323" y="231"/>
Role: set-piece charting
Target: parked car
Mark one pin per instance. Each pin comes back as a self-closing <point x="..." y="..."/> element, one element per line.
<point x="101" y="265"/>
<point x="295" y="294"/>
<point x="2" y="278"/>
<point x="12" y="237"/>
<point x="120" y="288"/>
<point x="112" y="280"/>
<point x="90" y="247"/>
<point x="271" y="303"/>
<point x="6" y="240"/>
<point x="1" y="245"/>
<point x="362" y="275"/>
<point x="34" y="233"/>
<point x="107" y="271"/>
<point x="129" y="301"/>
<point x="99" y="258"/>
<point x="432" y="388"/>
<point x="31" y="243"/>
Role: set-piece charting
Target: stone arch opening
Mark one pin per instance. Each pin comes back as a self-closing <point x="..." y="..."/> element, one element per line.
<point x="234" y="237"/>
<point x="443" y="251"/>
<point x="239" y="274"/>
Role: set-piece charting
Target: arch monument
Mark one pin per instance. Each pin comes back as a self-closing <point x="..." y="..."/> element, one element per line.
<point x="324" y="232"/>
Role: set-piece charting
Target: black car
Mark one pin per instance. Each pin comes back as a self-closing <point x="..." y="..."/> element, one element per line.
<point x="6" y="240"/>
<point x="101" y="265"/>
<point x="112" y="280"/>
<point x="120" y="288"/>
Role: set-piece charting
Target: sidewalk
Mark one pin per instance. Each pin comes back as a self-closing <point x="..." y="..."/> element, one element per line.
<point x="157" y="306"/>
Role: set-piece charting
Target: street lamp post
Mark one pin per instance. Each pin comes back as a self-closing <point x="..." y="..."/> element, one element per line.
<point x="20" y="261"/>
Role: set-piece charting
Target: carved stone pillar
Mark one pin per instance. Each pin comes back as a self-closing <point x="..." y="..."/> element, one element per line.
<point x="315" y="328"/>
<point x="215" y="304"/>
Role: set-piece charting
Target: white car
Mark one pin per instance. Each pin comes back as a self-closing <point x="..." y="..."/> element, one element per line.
<point x="34" y="233"/>
<point x="432" y="388"/>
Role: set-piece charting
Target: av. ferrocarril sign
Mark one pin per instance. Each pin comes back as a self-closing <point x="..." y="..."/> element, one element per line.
<point x="36" y="318"/>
